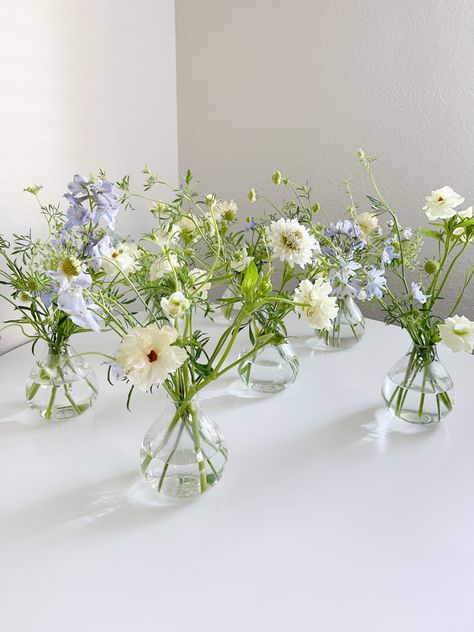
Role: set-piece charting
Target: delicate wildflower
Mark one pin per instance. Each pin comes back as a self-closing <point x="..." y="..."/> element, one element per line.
<point x="163" y="265"/>
<point x="313" y="301"/>
<point x="441" y="204"/>
<point x="376" y="283"/>
<point x="291" y="242"/>
<point x="175" y="305"/>
<point x="417" y="293"/>
<point x="200" y="284"/>
<point x="368" y="222"/>
<point x="148" y="356"/>
<point x="457" y="333"/>
<point x="241" y="260"/>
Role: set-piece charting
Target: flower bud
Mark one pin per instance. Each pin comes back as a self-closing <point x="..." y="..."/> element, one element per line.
<point x="431" y="266"/>
<point x="315" y="208"/>
<point x="276" y="178"/>
<point x="252" y="195"/>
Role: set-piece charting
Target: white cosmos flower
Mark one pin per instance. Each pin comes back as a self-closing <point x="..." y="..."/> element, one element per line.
<point x="466" y="214"/>
<point x="200" y="285"/>
<point x="313" y="301"/>
<point x="368" y="222"/>
<point x="291" y="242"/>
<point x="457" y="333"/>
<point x="241" y="260"/>
<point x="441" y="204"/>
<point x="125" y="256"/>
<point x="163" y="265"/>
<point x="147" y="355"/>
<point x="175" y="305"/>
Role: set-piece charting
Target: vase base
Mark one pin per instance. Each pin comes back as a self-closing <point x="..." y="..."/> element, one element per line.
<point x="413" y="417"/>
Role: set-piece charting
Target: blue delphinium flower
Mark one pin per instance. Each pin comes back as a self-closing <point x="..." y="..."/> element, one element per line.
<point x="389" y="253"/>
<point x="83" y="313"/>
<point x="344" y="281"/>
<point x="77" y="216"/>
<point x="376" y="282"/>
<point x="250" y="224"/>
<point x="418" y="294"/>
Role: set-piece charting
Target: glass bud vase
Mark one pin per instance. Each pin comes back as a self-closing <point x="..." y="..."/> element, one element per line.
<point x="61" y="384"/>
<point x="348" y="327"/>
<point x="183" y="453"/>
<point x="418" y="388"/>
<point x="271" y="369"/>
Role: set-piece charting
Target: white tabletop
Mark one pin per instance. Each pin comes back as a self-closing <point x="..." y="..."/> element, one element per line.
<point x="330" y="516"/>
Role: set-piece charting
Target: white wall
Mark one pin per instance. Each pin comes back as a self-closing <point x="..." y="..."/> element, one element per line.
<point x="84" y="85"/>
<point x="300" y="85"/>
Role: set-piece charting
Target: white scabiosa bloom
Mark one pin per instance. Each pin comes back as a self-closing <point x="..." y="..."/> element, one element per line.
<point x="200" y="285"/>
<point x="313" y="301"/>
<point x="441" y="204"/>
<point x="225" y="210"/>
<point x="368" y="222"/>
<point x="147" y="355"/>
<point x="291" y="242"/>
<point x="163" y="265"/>
<point x="125" y="256"/>
<point x="241" y="260"/>
<point x="175" y="305"/>
<point x="457" y="333"/>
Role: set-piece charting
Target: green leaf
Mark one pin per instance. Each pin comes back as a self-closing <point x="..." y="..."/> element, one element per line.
<point x="250" y="281"/>
<point x="426" y="232"/>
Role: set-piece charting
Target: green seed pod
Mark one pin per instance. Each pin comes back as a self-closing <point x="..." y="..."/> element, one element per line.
<point x="431" y="266"/>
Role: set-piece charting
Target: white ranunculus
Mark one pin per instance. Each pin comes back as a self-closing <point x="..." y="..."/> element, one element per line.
<point x="368" y="222"/>
<point x="125" y="256"/>
<point x="147" y="355"/>
<point x="200" y="284"/>
<point x="313" y="301"/>
<point x="241" y="260"/>
<point x="291" y="242"/>
<point x="163" y="265"/>
<point x="441" y="204"/>
<point x="175" y="305"/>
<point x="457" y="333"/>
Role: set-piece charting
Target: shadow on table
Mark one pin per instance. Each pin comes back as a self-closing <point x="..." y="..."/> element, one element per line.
<point x="120" y="502"/>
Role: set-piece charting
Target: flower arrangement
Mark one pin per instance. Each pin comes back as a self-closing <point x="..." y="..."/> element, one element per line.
<point x="418" y="388"/>
<point x="192" y="253"/>
<point x="58" y="287"/>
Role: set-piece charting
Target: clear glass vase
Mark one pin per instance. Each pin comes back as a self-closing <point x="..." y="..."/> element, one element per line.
<point x="348" y="327"/>
<point x="418" y="388"/>
<point x="183" y="453"/>
<point x="61" y="384"/>
<point x="271" y="369"/>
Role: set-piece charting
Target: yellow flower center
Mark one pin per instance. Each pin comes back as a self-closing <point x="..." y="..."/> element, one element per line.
<point x="70" y="266"/>
<point x="461" y="330"/>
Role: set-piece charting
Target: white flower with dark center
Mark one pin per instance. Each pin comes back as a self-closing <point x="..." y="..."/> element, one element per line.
<point x="125" y="256"/>
<point x="147" y="355"/>
<point x="200" y="284"/>
<point x="175" y="305"/>
<point x="291" y="242"/>
<point x="368" y="222"/>
<point x="163" y="265"/>
<point x="313" y="301"/>
<point x="441" y="204"/>
<point x="241" y="260"/>
<point x="457" y="333"/>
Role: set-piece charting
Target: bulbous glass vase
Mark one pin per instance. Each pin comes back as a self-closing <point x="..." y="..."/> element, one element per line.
<point x="348" y="327"/>
<point x="183" y="453"/>
<point x="61" y="384"/>
<point x="271" y="369"/>
<point x="418" y="388"/>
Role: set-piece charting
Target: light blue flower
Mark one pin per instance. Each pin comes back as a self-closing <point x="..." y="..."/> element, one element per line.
<point x="77" y="216"/>
<point x="83" y="314"/>
<point x="389" y="254"/>
<point x="418" y="294"/>
<point x="376" y="283"/>
<point x="65" y="280"/>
